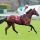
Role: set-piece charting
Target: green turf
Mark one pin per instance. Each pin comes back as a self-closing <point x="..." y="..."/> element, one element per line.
<point x="23" y="32"/>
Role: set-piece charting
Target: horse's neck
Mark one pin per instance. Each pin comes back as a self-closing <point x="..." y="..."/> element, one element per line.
<point x="30" y="14"/>
<point x="28" y="11"/>
<point x="27" y="15"/>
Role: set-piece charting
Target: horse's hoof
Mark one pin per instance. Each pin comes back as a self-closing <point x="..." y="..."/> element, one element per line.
<point x="36" y="32"/>
<point x="17" y="32"/>
<point x="5" y="34"/>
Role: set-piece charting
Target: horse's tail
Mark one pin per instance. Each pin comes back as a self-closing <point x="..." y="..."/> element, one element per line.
<point x="2" y="20"/>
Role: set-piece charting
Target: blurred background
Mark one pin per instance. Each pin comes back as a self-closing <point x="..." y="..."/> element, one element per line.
<point x="10" y="6"/>
<point x="14" y="4"/>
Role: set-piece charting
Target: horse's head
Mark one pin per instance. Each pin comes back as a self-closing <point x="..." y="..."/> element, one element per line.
<point x="35" y="12"/>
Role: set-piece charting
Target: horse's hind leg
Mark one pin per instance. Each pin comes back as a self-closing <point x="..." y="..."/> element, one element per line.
<point x="30" y="29"/>
<point x="33" y="28"/>
<point x="13" y="27"/>
<point x="8" y="26"/>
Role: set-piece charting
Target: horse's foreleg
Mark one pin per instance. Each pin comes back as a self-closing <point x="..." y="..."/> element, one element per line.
<point x="8" y="26"/>
<point x="33" y="28"/>
<point x="14" y="28"/>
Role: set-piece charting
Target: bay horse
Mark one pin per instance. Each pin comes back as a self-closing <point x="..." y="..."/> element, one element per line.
<point x="24" y="19"/>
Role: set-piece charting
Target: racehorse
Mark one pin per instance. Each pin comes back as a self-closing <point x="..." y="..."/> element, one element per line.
<point x="24" y="19"/>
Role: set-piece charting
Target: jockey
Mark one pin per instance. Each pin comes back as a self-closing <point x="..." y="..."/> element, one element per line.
<point x="21" y="10"/>
<point x="27" y="8"/>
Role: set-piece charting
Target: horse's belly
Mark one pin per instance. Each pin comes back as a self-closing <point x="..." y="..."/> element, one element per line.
<point x="18" y="21"/>
<point x="25" y="22"/>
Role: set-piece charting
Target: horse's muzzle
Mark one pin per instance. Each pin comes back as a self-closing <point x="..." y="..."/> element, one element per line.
<point x="37" y="14"/>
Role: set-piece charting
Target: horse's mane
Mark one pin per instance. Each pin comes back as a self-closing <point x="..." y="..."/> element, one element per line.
<point x="28" y="11"/>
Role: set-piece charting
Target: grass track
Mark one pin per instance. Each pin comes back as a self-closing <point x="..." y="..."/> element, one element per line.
<point x="23" y="32"/>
